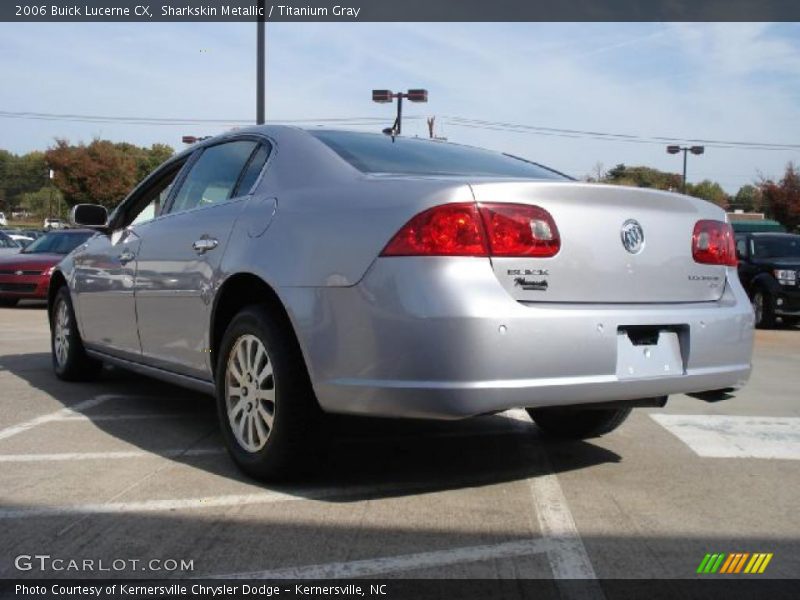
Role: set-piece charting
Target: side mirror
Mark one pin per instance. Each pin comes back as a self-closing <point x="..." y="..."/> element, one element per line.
<point x="88" y="215"/>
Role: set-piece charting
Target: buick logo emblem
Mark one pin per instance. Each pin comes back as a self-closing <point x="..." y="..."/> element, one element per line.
<point x="632" y="236"/>
<point x="19" y="272"/>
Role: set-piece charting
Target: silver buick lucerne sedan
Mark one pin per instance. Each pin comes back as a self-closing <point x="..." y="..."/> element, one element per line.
<point x="293" y="273"/>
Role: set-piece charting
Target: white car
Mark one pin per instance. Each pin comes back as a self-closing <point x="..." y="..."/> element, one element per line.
<point x="51" y="223"/>
<point x="3" y="220"/>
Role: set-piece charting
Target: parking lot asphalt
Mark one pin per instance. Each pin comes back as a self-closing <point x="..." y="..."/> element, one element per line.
<point x="128" y="469"/>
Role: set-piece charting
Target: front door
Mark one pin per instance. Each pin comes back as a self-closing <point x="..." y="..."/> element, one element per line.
<point x="104" y="274"/>
<point x="105" y="269"/>
<point x="180" y="255"/>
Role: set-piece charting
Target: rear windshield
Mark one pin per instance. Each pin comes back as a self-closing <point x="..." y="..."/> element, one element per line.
<point x="373" y="153"/>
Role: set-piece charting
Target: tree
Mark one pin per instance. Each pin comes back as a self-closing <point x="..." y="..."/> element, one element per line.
<point x="20" y="174"/>
<point x="101" y="172"/>
<point x="748" y="199"/>
<point x="781" y="200"/>
<point x="643" y="177"/>
<point x="708" y="190"/>
<point x="43" y="203"/>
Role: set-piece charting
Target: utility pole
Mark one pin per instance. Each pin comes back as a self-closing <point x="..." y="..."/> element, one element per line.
<point x="685" y="149"/>
<point x="261" y="65"/>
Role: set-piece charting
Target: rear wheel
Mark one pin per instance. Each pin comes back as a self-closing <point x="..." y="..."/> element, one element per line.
<point x="8" y="302"/>
<point x="578" y="423"/>
<point x="70" y="361"/>
<point x="764" y="309"/>
<point x="267" y="409"/>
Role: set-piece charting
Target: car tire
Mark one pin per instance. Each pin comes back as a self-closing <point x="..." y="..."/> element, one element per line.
<point x="267" y="409"/>
<point x="70" y="361"/>
<point x="764" y="309"/>
<point x="578" y="423"/>
<point x="8" y="302"/>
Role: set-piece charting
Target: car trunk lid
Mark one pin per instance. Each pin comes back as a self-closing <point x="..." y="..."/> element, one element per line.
<point x="593" y="264"/>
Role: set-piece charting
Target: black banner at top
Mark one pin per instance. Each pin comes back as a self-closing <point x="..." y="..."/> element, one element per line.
<point x="398" y="10"/>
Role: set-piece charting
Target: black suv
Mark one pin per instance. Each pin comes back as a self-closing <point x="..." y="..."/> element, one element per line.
<point x="769" y="268"/>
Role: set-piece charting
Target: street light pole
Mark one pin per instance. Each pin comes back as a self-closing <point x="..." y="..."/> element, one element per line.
<point x="685" y="149"/>
<point x="261" y="60"/>
<point x="386" y="96"/>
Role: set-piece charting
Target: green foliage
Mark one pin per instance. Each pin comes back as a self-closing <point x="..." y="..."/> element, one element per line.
<point x="748" y="199"/>
<point x="648" y="177"/>
<point x="781" y="200"/>
<point x="43" y="203"/>
<point x="643" y="177"/>
<point x="102" y="172"/>
<point x="18" y="175"/>
<point x="708" y="190"/>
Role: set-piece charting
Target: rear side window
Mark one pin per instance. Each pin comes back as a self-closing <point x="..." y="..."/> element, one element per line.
<point x="253" y="170"/>
<point x="375" y="153"/>
<point x="213" y="177"/>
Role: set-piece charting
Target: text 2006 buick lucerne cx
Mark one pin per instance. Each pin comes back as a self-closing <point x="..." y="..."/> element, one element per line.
<point x="297" y="272"/>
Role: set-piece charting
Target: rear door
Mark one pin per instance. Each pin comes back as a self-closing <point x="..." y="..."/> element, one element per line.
<point x="180" y="254"/>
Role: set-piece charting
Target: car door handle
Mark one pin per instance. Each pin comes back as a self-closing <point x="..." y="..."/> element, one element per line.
<point x="203" y="245"/>
<point x="126" y="257"/>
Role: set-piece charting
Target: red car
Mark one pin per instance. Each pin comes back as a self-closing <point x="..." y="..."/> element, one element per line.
<point x="26" y="274"/>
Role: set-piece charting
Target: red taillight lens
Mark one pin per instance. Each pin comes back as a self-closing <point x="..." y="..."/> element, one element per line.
<point x="713" y="243"/>
<point x="447" y="230"/>
<point x="520" y="230"/>
<point x="490" y="229"/>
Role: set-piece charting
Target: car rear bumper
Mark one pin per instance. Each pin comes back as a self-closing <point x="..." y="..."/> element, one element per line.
<point x="441" y="338"/>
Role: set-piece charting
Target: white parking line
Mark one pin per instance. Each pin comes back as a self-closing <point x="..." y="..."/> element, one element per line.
<point x="122" y="416"/>
<point x="406" y="562"/>
<point x="265" y="497"/>
<point x="724" y="436"/>
<point x="55" y="416"/>
<point x="567" y="554"/>
<point x="63" y="456"/>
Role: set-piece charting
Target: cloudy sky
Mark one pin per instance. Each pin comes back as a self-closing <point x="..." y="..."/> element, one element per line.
<point x="734" y="82"/>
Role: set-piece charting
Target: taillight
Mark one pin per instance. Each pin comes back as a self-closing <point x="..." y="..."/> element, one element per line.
<point x="713" y="243"/>
<point x="447" y="230"/>
<point x="487" y="229"/>
<point x="520" y="230"/>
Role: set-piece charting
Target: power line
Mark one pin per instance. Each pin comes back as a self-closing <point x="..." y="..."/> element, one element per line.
<point x="82" y="118"/>
<point x="605" y="136"/>
<point x="455" y="121"/>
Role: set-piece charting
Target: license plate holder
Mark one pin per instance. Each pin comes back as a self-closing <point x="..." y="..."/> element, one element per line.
<point x="645" y="357"/>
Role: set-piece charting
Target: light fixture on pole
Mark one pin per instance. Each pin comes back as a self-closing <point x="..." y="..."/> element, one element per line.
<point x="675" y="149"/>
<point x="386" y="96"/>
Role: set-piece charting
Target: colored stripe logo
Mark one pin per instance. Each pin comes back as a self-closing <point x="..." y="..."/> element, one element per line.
<point x="736" y="562"/>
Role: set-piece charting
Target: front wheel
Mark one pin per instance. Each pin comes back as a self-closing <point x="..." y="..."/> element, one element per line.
<point x="267" y="410"/>
<point x="70" y="361"/>
<point x="579" y="423"/>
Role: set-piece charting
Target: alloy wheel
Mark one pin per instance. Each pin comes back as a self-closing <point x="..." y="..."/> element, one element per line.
<point x="61" y="333"/>
<point x="250" y="392"/>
